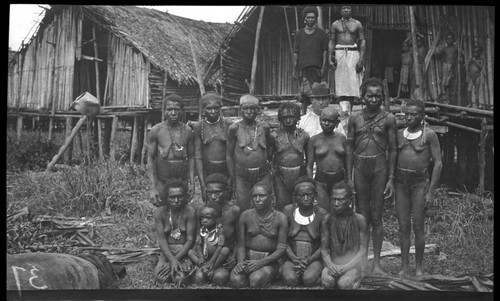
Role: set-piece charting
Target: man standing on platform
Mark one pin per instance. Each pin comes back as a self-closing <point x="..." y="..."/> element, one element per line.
<point x="347" y="55"/>
<point x="309" y="54"/>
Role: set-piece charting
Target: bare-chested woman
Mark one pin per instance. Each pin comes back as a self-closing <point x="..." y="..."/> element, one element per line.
<point x="248" y="153"/>
<point x="328" y="151"/>
<point x="170" y="150"/>
<point x="261" y="241"/>
<point x="303" y="262"/>
<point x="210" y="138"/>
<point x="344" y="242"/>
<point x="175" y="223"/>
<point x="289" y="146"/>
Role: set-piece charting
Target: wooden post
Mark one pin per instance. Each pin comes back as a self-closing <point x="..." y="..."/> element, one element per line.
<point x="107" y="135"/>
<point x="69" y="153"/>
<point x="416" y="65"/>
<point x="387" y="104"/>
<point x="19" y="126"/>
<point x="99" y="137"/>
<point x="145" y="141"/>
<point x="296" y="20"/>
<point x="79" y="142"/>
<point x="320" y="17"/>
<point x="133" y="146"/>
<point x="288" y="33"/>
<point x="112" y="148"/>
<point x="163" y="96"/>
<point x="482" y="157"/>
<point x="198" y="77"/>
<point x="256" y="50"/>
<point x="97" y="88"/>
<point x="51" y="126"/>
<point x="69" y="139"/>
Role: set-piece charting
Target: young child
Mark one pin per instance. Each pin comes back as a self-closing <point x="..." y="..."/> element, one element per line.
<point x="406" y="69"/>
<point x="209" y="252"/>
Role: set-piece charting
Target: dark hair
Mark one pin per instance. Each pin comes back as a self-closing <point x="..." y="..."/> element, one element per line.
<point x="175" y="98"/>
<point x="175" y="183"/>
<point x="265" y="185"/>
<point x="216" y="178"/>
<point x="304" y="179"/>
<point x="309" y="9"/>
<point x="371" y="82"/>
<point x="212" y="95"/>
<point x="342" y="185"/>
<point x="295" y="108"/>
<point x="416" y="103"/>
<point x="216" y="206"/>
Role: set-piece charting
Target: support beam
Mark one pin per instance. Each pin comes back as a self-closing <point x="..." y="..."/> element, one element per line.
<point x="256" y="50"/>
<point x="145" y="142"/>
<point x="51" y="128"/>
<point x="113" y="143"/>
<point x="418" y="93"/>
<point x="69" y="139"/>
<point x="19" y="127"/>
<point x="69" y="153"/>
<point x="133" y="146"/>
<point x="482" y="157"/>
<point x="99" y="138"/>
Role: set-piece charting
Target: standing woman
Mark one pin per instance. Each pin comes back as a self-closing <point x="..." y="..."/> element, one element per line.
<point x="175" y="224"/>
<point x="210" y="139"/>
<point x="328" y="150"/>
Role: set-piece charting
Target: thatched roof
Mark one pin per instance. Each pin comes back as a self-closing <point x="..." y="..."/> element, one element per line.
<point x="162" y="37"/>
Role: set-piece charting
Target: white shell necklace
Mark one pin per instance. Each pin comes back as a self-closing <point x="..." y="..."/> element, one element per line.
<point x="411" y="136"/>
<point x="303" y="220"/>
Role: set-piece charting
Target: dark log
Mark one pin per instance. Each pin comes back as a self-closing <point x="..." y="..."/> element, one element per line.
<point x="69" y="153"/>
<point x="69" y="139"/>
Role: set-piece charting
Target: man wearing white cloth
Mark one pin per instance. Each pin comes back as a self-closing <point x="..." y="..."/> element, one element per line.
<point x="320" y="95"/>
<point x="347" y="55"/>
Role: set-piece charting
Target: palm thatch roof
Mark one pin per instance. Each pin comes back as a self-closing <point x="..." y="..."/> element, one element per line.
<point x="162" y="37"/>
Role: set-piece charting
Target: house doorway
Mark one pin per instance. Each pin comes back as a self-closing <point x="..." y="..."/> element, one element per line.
<point x="386" y="57"/>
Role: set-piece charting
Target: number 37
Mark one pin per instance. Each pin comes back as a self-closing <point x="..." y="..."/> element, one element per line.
<point x="33" y="277"/>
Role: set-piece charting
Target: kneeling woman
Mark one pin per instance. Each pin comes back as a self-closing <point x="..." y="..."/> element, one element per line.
<point x="303" y="260"/>
<point x="175" y="224"/>
<point x="261" y="241"/>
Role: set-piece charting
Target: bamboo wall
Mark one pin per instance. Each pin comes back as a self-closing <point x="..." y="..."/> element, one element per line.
<point x="189" y="93"/>
<point x="42" y="77"/>
<point x="274" y="60"/>
<point x="127" y="76"/>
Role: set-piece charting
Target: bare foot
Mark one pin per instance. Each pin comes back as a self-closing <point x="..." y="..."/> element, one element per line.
<point x="377" y="270"/>
<point x="419" y="272"/>
<point x="404" y="272"/>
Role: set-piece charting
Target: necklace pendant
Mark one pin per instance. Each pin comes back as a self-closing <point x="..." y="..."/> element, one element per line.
<point x="176" y="234"/>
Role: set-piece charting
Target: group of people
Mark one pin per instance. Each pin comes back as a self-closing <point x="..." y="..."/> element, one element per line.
<point x="291" y="221"/>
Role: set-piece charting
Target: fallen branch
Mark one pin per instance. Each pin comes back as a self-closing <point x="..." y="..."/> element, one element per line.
<point x="430" y="248"/>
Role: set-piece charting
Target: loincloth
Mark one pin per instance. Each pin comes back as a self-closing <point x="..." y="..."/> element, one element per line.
<point x="290" y="174"/>
<point x="167" y="169"/>
<point x="252" y="175"/>
<point x="303" y="248"/>
<point x="411" y="179"/>
<point x="369" y="164"/>
<point x="210" y="167"/>
<point x="329" y="178"/>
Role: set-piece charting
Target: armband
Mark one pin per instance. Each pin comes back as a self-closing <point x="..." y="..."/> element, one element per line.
<point x="281" y="246"/>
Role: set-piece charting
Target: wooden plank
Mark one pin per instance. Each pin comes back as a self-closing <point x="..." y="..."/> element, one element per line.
<point x="67" y="143"/>
<point x="97" y="79"/>
<point x="256" y="50"/>
<point x="416" y="68"/>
